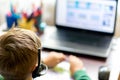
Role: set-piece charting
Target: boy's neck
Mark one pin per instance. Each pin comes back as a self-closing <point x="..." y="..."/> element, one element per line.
<point x="29" y="77"/>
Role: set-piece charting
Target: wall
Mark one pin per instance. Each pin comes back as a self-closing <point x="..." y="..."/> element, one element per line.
<point x="48" y="11"/>
<point x="117" y="32"/>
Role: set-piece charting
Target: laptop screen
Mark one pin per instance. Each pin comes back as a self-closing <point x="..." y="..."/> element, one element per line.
<point x="93" y="15"/>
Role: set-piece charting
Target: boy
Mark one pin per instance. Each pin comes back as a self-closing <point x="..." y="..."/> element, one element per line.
<point x="19" y="56"/>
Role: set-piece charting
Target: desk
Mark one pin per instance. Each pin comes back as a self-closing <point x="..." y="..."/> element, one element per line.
<point x="92" y="64"/>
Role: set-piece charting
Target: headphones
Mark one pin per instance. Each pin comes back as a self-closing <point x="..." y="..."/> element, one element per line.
<point x="41" y="69"/>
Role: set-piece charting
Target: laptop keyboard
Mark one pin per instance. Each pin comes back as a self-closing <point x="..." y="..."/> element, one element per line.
<point x="86" y="39"/>
<point x="90" y="44"/>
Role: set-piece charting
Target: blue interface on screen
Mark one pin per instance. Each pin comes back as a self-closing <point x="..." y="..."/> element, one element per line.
<point x="95" y="15"/>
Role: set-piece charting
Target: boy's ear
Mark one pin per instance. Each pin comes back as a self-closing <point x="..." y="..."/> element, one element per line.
<point x="34" y="67"/>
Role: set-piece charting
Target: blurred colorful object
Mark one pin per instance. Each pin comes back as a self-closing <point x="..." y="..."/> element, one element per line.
<point x="12" y="17"/>
<point x="27" y="20"/>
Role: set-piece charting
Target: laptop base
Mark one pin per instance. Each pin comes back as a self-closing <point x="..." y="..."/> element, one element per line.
<point x="62" y="40"/>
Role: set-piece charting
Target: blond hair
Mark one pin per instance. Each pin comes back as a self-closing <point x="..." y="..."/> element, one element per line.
<point x="18" y="53"/>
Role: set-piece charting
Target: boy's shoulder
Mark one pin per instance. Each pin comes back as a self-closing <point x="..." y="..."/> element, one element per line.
<point x="1" y="77"/>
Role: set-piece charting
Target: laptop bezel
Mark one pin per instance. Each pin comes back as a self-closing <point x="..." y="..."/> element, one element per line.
<point x="76" y="29"/>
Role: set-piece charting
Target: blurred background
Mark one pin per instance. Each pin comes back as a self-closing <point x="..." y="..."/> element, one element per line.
<point x="48" y="9"/>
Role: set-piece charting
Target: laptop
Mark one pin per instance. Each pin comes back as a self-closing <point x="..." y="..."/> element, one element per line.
<point x="83" y="27"/>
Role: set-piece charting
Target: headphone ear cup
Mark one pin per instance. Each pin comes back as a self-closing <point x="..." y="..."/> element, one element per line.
<point x="36" y="72"/>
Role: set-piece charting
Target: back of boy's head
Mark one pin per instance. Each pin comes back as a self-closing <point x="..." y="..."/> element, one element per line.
<point x="18" y="53"/>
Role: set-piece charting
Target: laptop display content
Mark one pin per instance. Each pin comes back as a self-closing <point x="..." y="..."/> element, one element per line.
<point x="83" y="27"/>
<point x="95" y="15"/>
